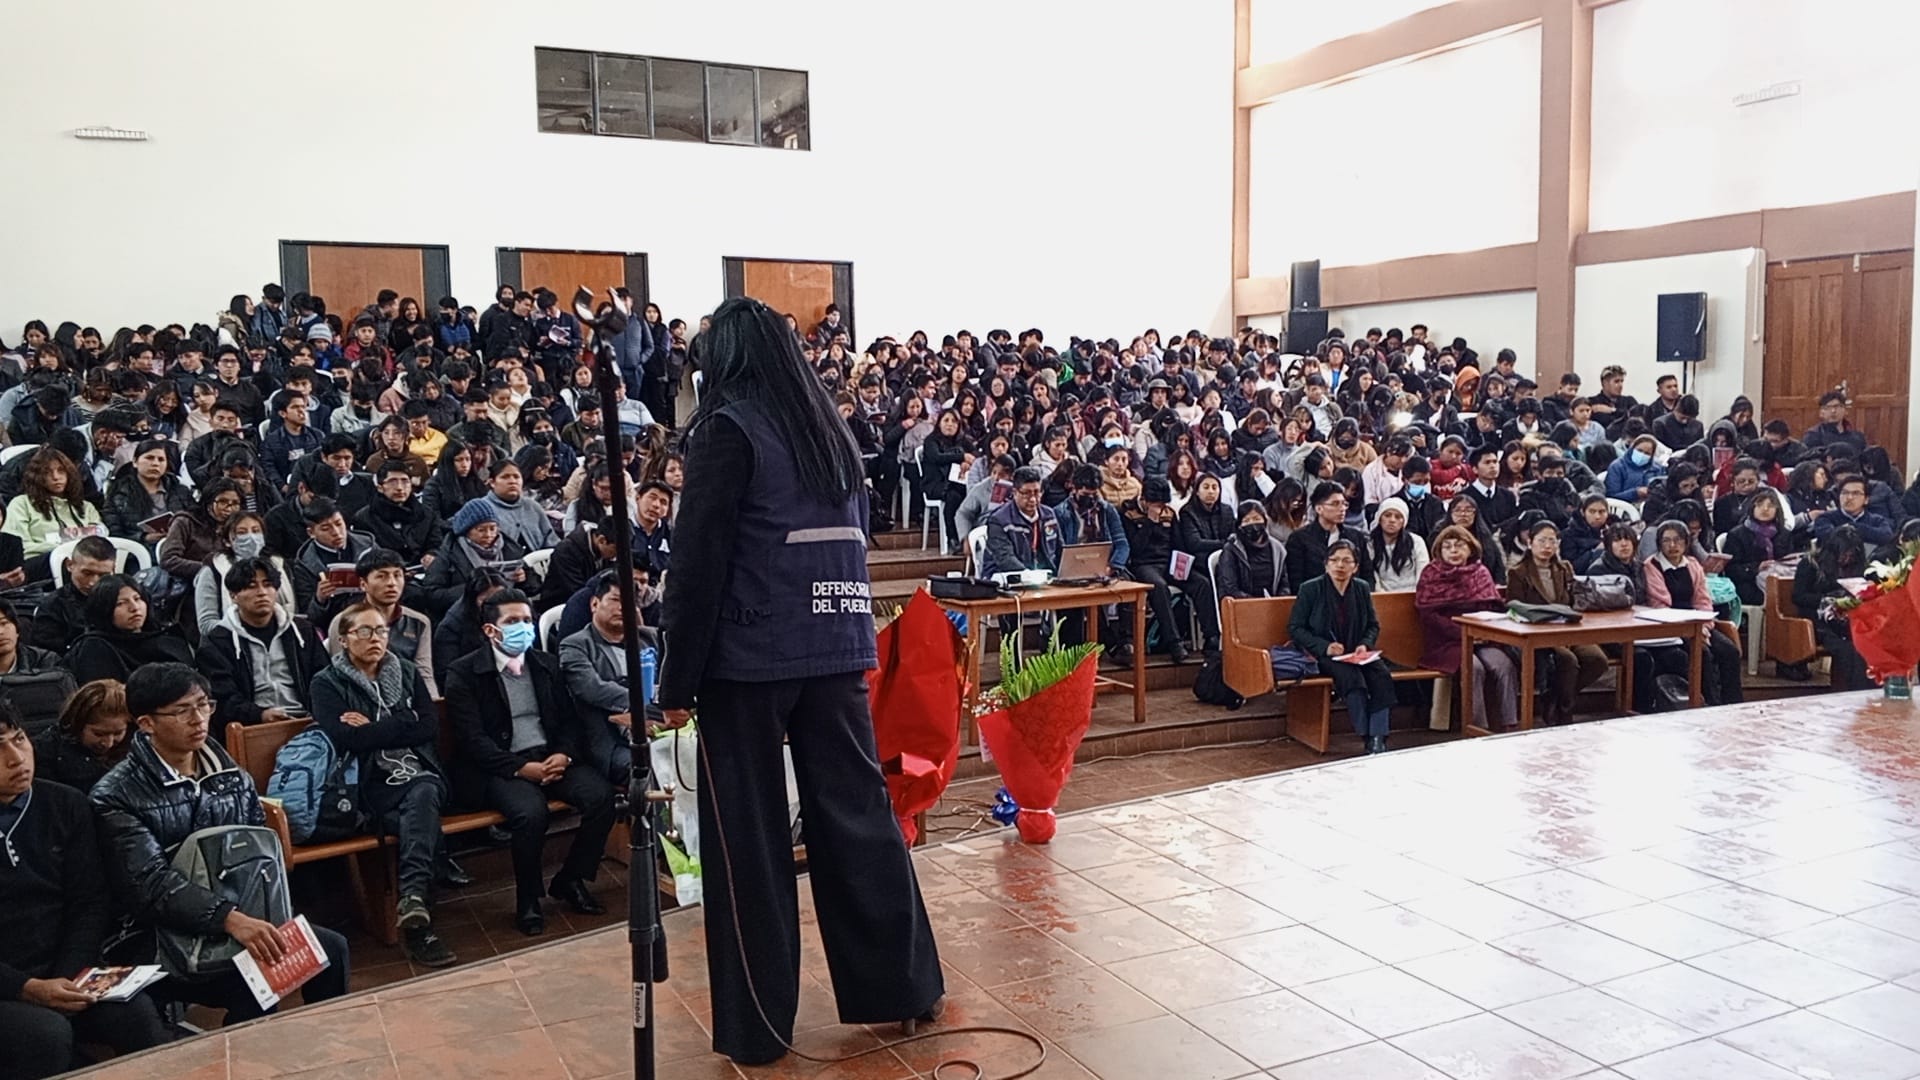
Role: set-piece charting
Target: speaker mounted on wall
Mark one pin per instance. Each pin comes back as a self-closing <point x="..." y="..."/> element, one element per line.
<point x="1306" y="329"/>
<point x="1681" y="333"/>
<point x="1305" y="285"/>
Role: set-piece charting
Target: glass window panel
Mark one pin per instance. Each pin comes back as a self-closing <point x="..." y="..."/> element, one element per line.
<point x="730" y="94"/>
<point x="622" y="82"/>
<point x="563" y="90"/>
<point x="679" y="100"/>
<point x="783" y="109"/>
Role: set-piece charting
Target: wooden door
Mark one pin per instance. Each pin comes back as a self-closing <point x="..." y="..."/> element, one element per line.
<point x="1806" y="310"/>
<point x="1844" y="323"/>
<point x="800" y="289"/>
<point x="349" y="276"/>
<point x="1879" y="341"/>
<point x="565" y="271"/>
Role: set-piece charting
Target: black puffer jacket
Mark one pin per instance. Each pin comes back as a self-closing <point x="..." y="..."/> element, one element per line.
<point x="144" y="815"/>
<point x="408" y="528"/>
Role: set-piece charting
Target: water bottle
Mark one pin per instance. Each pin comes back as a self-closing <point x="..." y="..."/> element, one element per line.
<point x="1898" y="689"/>
<point x="649" y="668"/>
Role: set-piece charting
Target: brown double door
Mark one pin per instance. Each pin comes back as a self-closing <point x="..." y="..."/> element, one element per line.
<point x="800" y="289"/>
<point x="565" y="271"/>
<point x="1846" y="324"/>
<point x="349" y="276"/>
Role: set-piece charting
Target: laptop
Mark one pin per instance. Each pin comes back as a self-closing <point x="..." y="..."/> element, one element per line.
<point x="1085" y="562"/>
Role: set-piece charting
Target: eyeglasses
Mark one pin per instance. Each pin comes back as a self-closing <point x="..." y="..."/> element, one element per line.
<point x="369" y="633"/>
<point x="202" y="706"/>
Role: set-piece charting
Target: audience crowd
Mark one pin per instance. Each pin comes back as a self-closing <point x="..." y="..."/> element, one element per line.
<point x="354" y="525"/>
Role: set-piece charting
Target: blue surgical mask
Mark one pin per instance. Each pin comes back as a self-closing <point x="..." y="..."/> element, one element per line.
<point x="249" y="545"/>
<point x="1639" y="457"/>
<point x="1418" y="491"/>
<point x="1114" y="442"/>
<point x="516" y="638"/>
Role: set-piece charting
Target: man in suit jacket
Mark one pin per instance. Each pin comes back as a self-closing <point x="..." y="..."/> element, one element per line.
<point x="594" y="661"/>
<point x="1496" y="503"/>
<point x="517" y="742"/>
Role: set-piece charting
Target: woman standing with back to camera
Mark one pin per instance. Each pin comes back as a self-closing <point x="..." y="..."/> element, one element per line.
<point x="769" y="633"/>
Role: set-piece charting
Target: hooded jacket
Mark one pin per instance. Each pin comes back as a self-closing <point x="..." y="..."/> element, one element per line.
<point x="228" y="656"/>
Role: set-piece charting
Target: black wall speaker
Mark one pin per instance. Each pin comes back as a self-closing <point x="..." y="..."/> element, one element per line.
<point x="1306" y="285"/>
<point x="1682" y="332"/>
<point x="1306" y="329"/>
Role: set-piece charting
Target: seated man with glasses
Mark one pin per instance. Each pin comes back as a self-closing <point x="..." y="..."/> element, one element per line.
<point x="399" y="521"/>
<point x="173" y="783"/>
<point x="375" y="703"/>
<point x="259" y="658"/>
<point x="1326" y="523"/>
<point x="519" y="743"/>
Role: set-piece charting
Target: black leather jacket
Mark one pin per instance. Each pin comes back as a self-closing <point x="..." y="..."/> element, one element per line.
<point x="144" y="813"/>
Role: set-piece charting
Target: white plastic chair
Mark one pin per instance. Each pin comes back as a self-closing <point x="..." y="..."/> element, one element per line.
<point x="22" y="450"/>
<point x="125" y="551"/>
<point x="977" y="550"/>
<point x="1213" y="579"/>
<point x="1624" y="509"/>
<point x="933" y="510"/>
<point x="549" y="619"/>
<point x="538" y="561"/>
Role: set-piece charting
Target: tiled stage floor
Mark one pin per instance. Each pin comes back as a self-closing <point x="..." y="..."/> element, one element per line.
<point x="1718" y="895"/>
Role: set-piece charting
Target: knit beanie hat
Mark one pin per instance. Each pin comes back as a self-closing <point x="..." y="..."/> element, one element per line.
<point x="475" y="512"/>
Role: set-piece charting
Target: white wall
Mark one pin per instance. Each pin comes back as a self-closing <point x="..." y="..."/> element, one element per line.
<point x="1328" y="181"/>
<point x="1669" y="144"/>
<point x="966" y="188"/>
<point x="1615" y="306"/>
<point x="1284" y="28"/>
<point x="1490" y="323"/>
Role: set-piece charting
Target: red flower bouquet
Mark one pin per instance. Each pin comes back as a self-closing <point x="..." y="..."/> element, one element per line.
<point x="1039" y="714"/>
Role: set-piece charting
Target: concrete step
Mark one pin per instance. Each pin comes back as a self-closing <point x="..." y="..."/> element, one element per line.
<point x="909" y="564"/>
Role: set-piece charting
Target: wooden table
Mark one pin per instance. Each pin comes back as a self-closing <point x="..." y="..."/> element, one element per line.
<point x="1058" y="598"/>
<point x="1621" y="628"/>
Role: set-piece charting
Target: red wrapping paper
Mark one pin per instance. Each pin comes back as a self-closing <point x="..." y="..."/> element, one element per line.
<point x="1886" y="631"/>
<point x="1033" y="743"/>
<point x="915" y="697"/>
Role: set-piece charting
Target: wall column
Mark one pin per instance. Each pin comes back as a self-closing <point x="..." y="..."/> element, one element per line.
<point x="1566" y="96"/>
<point x="1242" y="154"/>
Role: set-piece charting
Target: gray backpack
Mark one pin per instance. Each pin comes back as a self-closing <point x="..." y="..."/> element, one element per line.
<point x="241" y="864"/>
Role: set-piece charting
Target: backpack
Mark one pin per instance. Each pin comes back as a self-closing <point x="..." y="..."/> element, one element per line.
<point x="241" y="864"/>
<point x="1210" y="686"/>
<point x="38" y="697"/>
<point x="319" y="789"/>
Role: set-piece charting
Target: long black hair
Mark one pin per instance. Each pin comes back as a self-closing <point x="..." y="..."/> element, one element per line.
<point x="750" y="354"/>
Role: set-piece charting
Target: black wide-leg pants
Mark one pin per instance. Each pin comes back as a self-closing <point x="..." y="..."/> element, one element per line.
<point x="879" y="945"/>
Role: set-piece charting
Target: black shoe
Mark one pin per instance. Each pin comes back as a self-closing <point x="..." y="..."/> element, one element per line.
<point x="425" y="948"/>
<point x="1211" y="646"/>
<point x="531" y="921"/>
<point x="1794" y="672"/>
<point x="1177" y="653"/>
<point x="449" y="874"/>
<point x="574" y="894"/>
<point x="1376" y="744"/>
<point x="1120" y="655"/>
<point x="934" y="1011"/>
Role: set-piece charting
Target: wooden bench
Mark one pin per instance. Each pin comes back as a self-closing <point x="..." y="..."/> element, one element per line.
<point x="371" y="871"/>
<point x="1789" y="638"/>
<point x="1248" y="628"/>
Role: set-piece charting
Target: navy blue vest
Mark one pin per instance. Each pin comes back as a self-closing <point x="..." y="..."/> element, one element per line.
<point x="797" y="600"/>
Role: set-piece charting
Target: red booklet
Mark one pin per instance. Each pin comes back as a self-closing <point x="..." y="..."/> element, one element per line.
<point x="303" y="960"/>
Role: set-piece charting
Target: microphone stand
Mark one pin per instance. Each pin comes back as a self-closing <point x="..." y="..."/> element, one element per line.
<point x="646" y="939"/>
